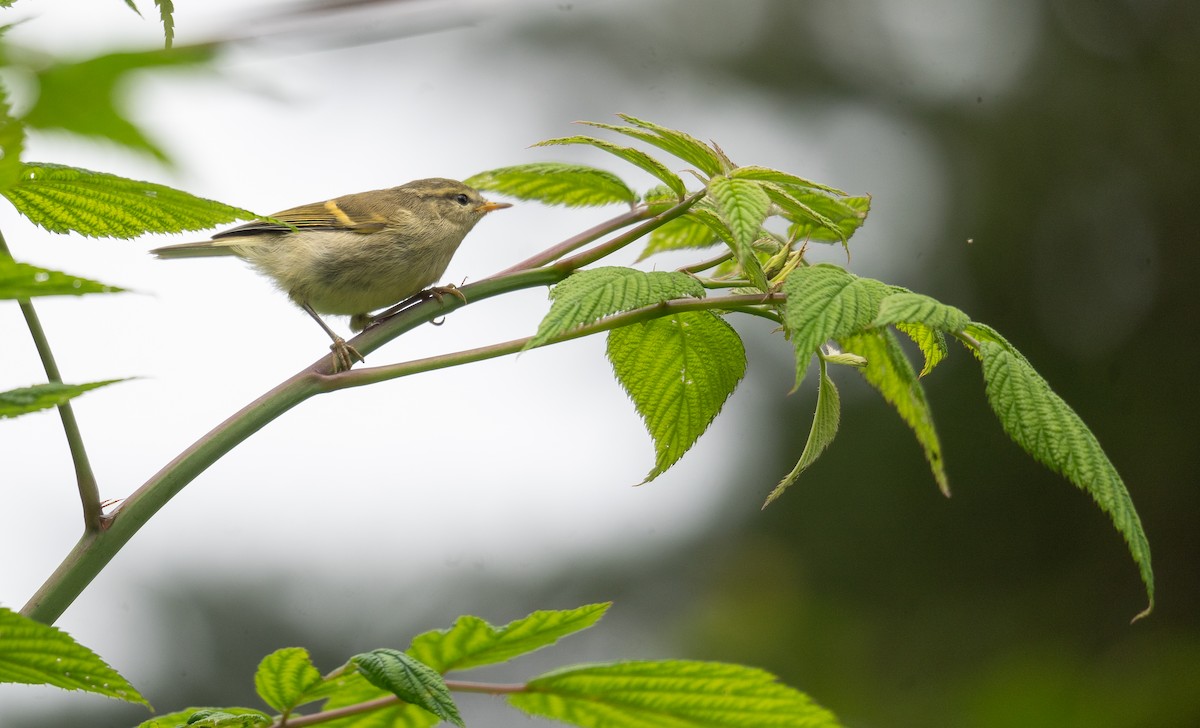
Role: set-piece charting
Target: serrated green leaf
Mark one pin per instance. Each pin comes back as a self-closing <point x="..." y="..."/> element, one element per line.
<point x="670" y="694"/>
<point x="824" y="428"/>
<point x="1046" y="427"/>
<point x="12" y="143"/>
<point x="85" y="97"/>
<point x="284" y="676"/>
<point x="917" y="308"/>
<point x="743" y="206"/>
<point x="827" y="302"/>
<point x="408" y="679"/>
<point x="931" y="342"/>
<point x="684" y="232"/>
<point x="681" y="145"/>
<point x="590" y="295"/>
<point x="22" y="401"/>
<point x="38" y="654"/>
<point x="634" y="156"/>
<point x="847" y="214"/>
<point x="22" y="280"/>
<point x="678" y="370"/>
<point x="794" y="209"/>
<point x="472" y="642"/>
<point x="691" y="149"/>
<point x="707" y="215"/>
<point x="553" y="183"/>
<point x="69" y="199"/>
<point x="765" y="174"/>
<point x="922" y="319"/>
<point x="166" y="11"/>
<point x="210" y="718"/>
<point x="660" y="198"/>
<point x="891" y="374"/>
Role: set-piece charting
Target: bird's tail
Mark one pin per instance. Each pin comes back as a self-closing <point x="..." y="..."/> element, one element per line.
<point x="193" y="250"/>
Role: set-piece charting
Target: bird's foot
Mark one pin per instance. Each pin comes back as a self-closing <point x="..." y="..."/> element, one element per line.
<point x="344" y="355"/>
<point x="439" y="292"/>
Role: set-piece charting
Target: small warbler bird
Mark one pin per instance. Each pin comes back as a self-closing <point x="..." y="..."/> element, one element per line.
<point x="355" y="254"/>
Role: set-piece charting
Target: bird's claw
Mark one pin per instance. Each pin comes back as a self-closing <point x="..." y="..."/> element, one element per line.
<point x="344" y="355"/>
<point x="440" y="292"/>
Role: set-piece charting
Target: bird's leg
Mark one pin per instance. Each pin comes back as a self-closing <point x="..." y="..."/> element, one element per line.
<point x="344" y="355"/>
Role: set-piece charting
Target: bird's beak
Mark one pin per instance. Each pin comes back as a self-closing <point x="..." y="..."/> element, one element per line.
<point x="489" y="206"/>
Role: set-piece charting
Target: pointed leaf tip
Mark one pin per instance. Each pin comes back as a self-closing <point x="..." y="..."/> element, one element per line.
<point x="679" y="370"/>
<point x="1047" y="428"/>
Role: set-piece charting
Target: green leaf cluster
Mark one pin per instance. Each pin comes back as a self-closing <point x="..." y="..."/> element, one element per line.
<point x="679" y="360"/>
<point x="740" y="199"/>
<point x="387" y="687"/>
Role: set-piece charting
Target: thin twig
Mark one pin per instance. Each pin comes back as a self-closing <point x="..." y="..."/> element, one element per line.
<point x="549" y="255"/>
<point x="85" y="479"/>
<point x="362" y="376"/>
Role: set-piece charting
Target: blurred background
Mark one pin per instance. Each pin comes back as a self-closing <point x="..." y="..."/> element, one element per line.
<point x="1035" y="163"/>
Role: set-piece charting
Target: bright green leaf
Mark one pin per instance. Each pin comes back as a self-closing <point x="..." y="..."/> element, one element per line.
<point x="670" y="694"/>
<point x="684" y="232"/>
<point x="690" y="149"/>
<point x="827" y="302"/>
<point x="21" y="280"/>
<point x="590" y="295"/>
<point x="764" y="174"/>
<point x="847" y="214"/>
<point x="553" y="183"/>
<point x="707" y="215"/>
<point x="38" y="654"/>
<point x="631" y="155"/>
<point x="793" y="209"/>
<point x="922" y="319"/>
<point x="472" y="642"/>
<point x="742" y="206"/>
<point x="12" y="144"/>
<point x="677" y="143"/>
<point x="891" y="374"/>
<point x="166" y="10"/>
<point x="1046" y="427"/>
<point x="824" y="428"/>
<point x="678" y="370"/>
<point x="43" y="396"/>
<point x="284" y="676"/>
<point x="660" y="198"/>
<point x="84" y="97"/>
<point x="408" y="679"/>
<point x="68" y="199"/>
<point x="908" y="307"/>
<point x="931" y="342"/>
<point x="210" y="718"/>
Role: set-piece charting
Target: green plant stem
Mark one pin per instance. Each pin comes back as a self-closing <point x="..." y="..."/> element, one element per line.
<point x="704" y="265"/>
<point x="299" y="721"/>
<point x="549" y="255"/>
<point x="85" y="479"/>
<point x="373" y="375"/>
<point x="96" y="548"/>
<point x="588" y="257"/>
<point x="462" y="686"/>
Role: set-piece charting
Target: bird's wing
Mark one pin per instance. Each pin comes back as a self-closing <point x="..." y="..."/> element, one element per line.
<point x="346" y="214"/>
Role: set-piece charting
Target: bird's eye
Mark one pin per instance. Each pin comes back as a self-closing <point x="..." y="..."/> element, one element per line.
<point x="462" y="200"/>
